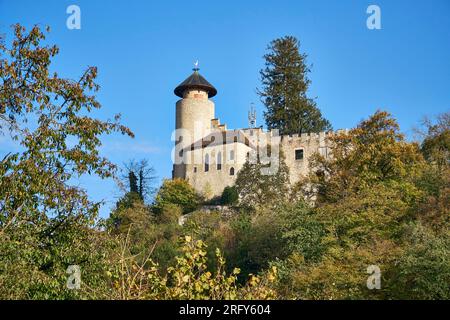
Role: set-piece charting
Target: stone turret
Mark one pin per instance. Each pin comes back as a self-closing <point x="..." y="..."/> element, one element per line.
<point x="194" y="112"/>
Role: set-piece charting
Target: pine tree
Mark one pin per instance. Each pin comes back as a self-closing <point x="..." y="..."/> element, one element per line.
<point x="284" y="86"/>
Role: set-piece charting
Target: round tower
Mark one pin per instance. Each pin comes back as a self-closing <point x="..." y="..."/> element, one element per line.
<point x="194" y="111"/>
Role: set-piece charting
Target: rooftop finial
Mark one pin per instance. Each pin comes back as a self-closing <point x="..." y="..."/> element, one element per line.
<point x="252" y="116"/>
<point x="196" y="68"/>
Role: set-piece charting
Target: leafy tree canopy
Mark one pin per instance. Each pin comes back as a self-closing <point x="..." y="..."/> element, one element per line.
<point x="44" y="218"/>
<point x="178" y="192"/>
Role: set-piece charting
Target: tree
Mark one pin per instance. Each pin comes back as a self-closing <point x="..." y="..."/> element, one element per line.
<point x="128" y="208"/>
<point x="230" y="195"/>
<point x="373" y="152"/>
<point x="423" y="270"/>
<point x="256" y="189"/>
<point x="371" y="198"/>
<point x="189" y="278"/>
<point x="436" y="143"/>
<point x="46" y="221"/>
<point x="139" y="177"/>
<point x="284" y="90"/>
<point x="178" y="192"/>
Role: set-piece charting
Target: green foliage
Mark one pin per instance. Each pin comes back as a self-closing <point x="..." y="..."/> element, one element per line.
<point x="230" y="196"/>
<point x="169" y="214"/>
<point x="259" y="189"/>
<point x="372" y="197"/>
<point x="145" y="232"/>
<point x="302" y="231"/>
<point x="374" y="152"/>
<point x="257" y="240"/>
<point x="436" y="145"/>
<point x="379" y="200"/>
<point x="178" y="192"/>
<point x="189" y="278"/>
<point x="46" y="222"/>
<point x="284" y="87"/>
<point x="423" y="270"/>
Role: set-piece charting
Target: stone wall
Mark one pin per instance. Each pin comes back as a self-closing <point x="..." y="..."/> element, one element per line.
<point x="310" y="144"/>
<point x="212" y="182"/>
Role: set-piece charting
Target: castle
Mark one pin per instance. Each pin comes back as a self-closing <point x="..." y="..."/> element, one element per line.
<point x="209" y="156"/>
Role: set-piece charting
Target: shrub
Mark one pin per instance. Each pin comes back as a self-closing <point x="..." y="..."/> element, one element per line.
<point x="178" y="192"/>
<point x="230" y="196"/>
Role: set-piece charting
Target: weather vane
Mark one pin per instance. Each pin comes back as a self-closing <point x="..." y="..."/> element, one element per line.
<point x="252" y="116"/>
<point x="196" y="68"/>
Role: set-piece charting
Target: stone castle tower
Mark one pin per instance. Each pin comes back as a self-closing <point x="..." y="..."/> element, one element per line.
<point x="209" y="156"/>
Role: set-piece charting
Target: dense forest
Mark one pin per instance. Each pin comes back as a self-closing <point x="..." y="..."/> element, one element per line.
<point x="381" y="200"/>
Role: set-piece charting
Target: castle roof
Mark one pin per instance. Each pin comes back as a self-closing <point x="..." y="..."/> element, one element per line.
<point x="195" y="81"/>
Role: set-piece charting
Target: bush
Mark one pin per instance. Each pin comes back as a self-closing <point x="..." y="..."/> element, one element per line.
<point x="188" y="278"/>
<point x="230" y="196"/>
<point x="170" y="214"/>
<point x="178" y="192"/>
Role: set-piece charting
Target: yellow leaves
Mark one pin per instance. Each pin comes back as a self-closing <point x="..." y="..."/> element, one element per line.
<point x="272" y="275"/>
<point x="254" y="280"/>
<point x="189" y="278"/>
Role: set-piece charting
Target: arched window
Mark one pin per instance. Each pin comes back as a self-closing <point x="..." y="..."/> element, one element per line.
<point x="206" y="162"/>
<point x="219" y="160"/>
<point x="231" y="171"/>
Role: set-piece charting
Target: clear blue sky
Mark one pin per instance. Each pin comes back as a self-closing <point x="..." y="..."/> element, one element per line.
<point x="143" y="49"/>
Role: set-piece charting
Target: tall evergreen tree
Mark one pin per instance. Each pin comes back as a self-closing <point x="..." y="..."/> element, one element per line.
<point x="284" y="86"/>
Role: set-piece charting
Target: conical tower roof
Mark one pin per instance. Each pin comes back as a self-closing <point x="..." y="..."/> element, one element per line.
<point x="195" y="81"/>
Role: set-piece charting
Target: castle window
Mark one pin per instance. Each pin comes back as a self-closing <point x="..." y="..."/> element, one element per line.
<point x="219" y="161"/>
<point x="195" y="169"/>
<point x="232" y="155"/>
<point x="235" y="139"/>
<point x="231" y="171"/>
<point x="299" y="154"/>
<point x="206" y="162"/>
